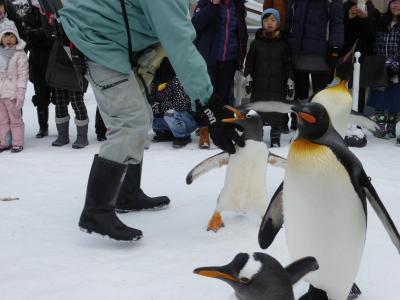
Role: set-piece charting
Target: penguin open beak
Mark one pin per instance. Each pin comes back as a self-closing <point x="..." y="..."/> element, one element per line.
<point x="216" y="272"/>
<point x="238" y="115"/>
<point x="344" y="67"/>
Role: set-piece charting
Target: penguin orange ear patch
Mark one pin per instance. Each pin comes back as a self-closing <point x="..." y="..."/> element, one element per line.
<point x="307" y="117"/>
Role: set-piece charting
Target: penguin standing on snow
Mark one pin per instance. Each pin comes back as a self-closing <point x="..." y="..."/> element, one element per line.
<point x="323" y="204"/>
<point x="259" y="276"/>
<point x="336" y="99"/>
<point x="245" y="180"/>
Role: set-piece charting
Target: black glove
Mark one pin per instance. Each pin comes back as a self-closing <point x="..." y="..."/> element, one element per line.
<point x="156" y="108"/>
<point x="224" y="135"/>
<point x="333" y="57"/>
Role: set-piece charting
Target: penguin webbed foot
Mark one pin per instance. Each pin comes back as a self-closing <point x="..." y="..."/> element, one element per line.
<point x="215" y="222"/>
<point x="314" y="294"/>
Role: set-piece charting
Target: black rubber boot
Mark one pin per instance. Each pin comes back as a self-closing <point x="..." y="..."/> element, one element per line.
<point x="314" y="294"/>
<point x="43" y="118"/>
<point x="98" y="214"/>
<point x="131" y="196"/>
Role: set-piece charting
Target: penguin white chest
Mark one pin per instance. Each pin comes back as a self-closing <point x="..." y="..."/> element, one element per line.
<point x="245" y="180"/>
<point x="337" y="101"/>
<point x="324" y="217"/>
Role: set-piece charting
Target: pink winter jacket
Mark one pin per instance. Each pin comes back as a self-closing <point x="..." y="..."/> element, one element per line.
<point x="14" y="81"/>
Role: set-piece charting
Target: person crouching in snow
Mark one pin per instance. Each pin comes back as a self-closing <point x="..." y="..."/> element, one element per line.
<point x="13" y="82"/>
<point x="269" y="72"/>
<point x="173" y="118"/>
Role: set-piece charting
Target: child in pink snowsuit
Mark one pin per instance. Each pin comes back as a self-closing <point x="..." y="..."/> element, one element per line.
<point x="13" y="81"/>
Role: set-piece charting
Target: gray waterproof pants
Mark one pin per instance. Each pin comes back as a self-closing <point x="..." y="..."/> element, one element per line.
<point x="125" y="111"/>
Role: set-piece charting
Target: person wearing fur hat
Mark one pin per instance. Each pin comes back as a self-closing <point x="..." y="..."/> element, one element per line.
<point x="386" y="101"/>
<point x="268" y="70"/>
<point x="13" y="82"/>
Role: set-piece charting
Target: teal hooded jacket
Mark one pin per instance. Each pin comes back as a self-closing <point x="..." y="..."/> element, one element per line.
<point x="97" y="29"/>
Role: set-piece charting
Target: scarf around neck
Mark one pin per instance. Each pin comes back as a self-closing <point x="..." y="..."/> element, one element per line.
<point x="5" y="57"/>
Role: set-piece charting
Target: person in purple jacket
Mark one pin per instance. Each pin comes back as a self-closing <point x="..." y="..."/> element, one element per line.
<point x="222" y="41"/>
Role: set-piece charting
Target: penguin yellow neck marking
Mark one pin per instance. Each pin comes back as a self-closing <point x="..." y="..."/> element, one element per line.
<point x="342" y="86"/>
<point x="305" y="146"/>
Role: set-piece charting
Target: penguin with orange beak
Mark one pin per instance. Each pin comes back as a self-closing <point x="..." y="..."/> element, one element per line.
<point x="258" y="276"/>
<point x="323" y="203"/>
<point x="245" y="178"/>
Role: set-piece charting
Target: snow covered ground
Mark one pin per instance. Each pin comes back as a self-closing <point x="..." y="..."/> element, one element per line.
<point x="44" y="256"/>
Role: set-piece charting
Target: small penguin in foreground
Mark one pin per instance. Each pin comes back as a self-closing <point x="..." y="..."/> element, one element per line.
<point x="322" y="202"/>
<point x="245" y="179"/>
<point x="259" y="276"/>
<point x="336" y="98"/>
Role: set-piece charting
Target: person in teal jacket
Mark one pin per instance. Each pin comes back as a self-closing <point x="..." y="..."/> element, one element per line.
<point x="98" y="29"/>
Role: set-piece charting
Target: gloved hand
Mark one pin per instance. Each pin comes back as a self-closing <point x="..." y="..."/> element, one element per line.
<point x="20" y="102"/>
<point x="249" y="84"/>
<point x="224" y="135"/>
<point x="333" y="56"/>
<point x="156" y="108"/>
<point x="290" y="89"/>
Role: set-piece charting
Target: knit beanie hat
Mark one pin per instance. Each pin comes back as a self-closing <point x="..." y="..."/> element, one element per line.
<point x="8" y="26"/>
<point x="273" y="12"/>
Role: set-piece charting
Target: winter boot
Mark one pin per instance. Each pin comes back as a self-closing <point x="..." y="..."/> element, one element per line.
<point x="275" y="136"/>
<point x="293" y="122"/>
<point x="355" y="137"/>
<point x="204" y="140"/>
<point x="131" y="196"/>
<point x="381" y="119"/>
<point x="98" y="214"/>
<point x="314" y="294"/>
<point x="62" y="125"/>
<point x="391" y="126"/>
<point x="181" y="142"/>
<point x="43" y="117"/>
<point x="81" y="136"/>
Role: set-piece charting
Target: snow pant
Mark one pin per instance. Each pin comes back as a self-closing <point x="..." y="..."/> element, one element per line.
<point x="124" y="109"/>
<point x="64" y="97"/>
<point x="99" y="124"/>
<point x="222" y="75"/>
<point x="181" y="124"/>
<point x="11" y="119"/>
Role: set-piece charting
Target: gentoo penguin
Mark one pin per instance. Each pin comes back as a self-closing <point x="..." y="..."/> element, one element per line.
<point x="259" y="276"/>
<point x="322" y="201"/>
<point x="245" y="180"/>
<point x="336" y="98"/>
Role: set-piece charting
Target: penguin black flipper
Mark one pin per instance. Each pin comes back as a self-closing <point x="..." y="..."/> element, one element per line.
<point x="382" y="213"/>
<point x="276" y="160"/>
<point x="281" y="106"/>
<point x="361" y="182"/>
<point x="363" y="121"/>
<point x="301" y="267"/>
<point x="213" y="162"/>
<point x="272" y="220"/>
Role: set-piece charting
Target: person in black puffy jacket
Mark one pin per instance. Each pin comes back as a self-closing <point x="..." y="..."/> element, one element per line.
<point x="268" y="70"/>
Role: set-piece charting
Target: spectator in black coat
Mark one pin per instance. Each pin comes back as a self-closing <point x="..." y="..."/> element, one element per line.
<point x="359" y="25"/>
<point x="40" y="41"/>
<point x="268" y="70"/>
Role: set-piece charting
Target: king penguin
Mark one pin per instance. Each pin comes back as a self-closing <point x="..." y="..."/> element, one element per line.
<point x="259" y="276"/>
<point x="322" y="202"/>
<point x="336" y="98"/>
<point x="244" y="189"/>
